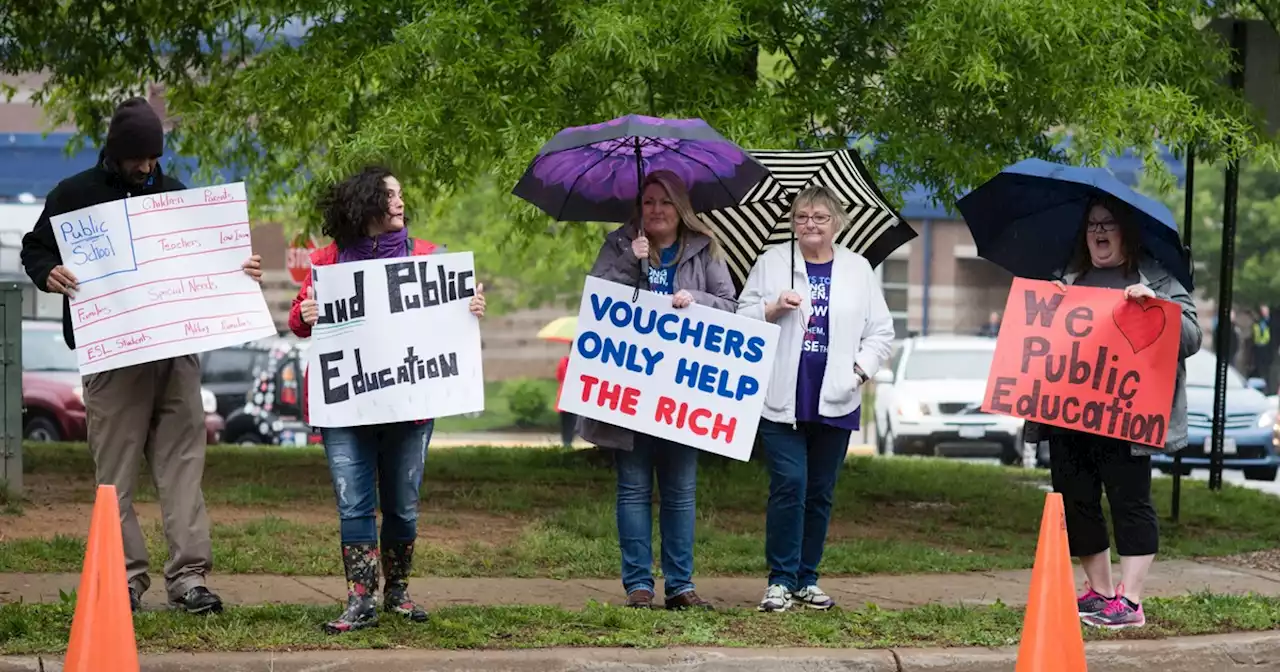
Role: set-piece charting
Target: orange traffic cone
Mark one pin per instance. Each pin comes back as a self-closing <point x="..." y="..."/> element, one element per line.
<point x="1051" y="639"/>
<point x="102" y="636"/>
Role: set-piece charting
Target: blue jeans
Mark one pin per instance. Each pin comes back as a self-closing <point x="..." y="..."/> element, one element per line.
<point x="803" y="465"/>
<point x="677" y="469"/>
<point x="377" y="464"/>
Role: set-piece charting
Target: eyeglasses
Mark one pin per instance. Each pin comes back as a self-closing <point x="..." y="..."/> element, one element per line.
<point x="1104" y="226"/>
<point x="817" y="219"/>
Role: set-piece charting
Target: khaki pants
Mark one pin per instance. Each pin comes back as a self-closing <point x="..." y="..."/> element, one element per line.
<point x="154" y="410"/>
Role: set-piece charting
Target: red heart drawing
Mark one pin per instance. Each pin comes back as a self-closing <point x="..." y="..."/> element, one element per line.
<point x="1140" y="325"/>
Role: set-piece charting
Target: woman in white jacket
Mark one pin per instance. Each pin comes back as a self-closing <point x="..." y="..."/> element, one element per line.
<point x="836" y="331"/>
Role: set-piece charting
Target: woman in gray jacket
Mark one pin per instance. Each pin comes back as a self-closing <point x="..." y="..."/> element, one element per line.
<point x="684" y="261"/>
<point x="1109" y="254"/>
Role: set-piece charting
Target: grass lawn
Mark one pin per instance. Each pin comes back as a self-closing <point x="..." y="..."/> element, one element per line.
<point x="45" y="629"/>
<point x="550" y="513"/>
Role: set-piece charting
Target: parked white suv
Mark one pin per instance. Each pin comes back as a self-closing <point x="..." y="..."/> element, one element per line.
<point x="928" y="398"/>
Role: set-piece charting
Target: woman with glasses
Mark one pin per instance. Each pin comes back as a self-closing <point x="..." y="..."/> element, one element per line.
<point x="1109" y="254"/>
<point x="836" y="332"/>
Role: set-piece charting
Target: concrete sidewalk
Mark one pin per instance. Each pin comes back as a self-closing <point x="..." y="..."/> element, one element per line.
<point x="1168" y="579"/>
<point x="1260" y="651"/>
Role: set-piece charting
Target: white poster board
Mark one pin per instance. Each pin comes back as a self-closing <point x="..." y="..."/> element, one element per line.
<point x="395" y="341"/>
<point x="160" y="276"/>
<point x="696" y="375"/>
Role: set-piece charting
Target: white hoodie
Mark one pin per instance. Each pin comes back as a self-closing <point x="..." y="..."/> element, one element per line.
<point x="860" y="328"/>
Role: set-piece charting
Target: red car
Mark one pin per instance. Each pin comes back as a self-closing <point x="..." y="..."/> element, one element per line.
<point x="52" y="395"/>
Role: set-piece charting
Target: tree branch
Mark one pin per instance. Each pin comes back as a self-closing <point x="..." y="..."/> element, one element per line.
<point x="1265" y="10"/>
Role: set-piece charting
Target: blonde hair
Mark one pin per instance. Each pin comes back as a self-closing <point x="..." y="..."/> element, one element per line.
<point x="679" y="195"/>
<point x="821" y="196"/>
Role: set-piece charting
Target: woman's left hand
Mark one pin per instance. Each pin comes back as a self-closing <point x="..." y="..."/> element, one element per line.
<point x="477" y="301"/>
<point x="682" y="299"/>
<point x="1139" y="293"/>
<point x="253" y="268"/>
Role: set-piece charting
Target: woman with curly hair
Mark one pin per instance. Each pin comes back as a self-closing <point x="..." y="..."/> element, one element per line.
<point x="364" y="215"/>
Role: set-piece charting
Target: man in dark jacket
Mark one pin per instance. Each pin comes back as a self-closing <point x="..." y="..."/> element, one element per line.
<point x="150" y="410"/>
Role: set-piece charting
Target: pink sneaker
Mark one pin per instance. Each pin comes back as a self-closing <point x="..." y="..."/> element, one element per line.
<point x="1119" y="613"/>
<point x="1091" y="602"/>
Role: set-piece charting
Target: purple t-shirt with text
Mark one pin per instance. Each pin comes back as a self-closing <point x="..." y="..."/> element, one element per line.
<point x="813" y="354"/>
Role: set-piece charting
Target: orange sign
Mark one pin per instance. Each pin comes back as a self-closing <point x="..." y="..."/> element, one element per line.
<point x="1086" y="359"/>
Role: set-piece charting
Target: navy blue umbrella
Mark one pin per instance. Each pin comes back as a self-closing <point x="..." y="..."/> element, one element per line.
<point x="1027" y="218"/>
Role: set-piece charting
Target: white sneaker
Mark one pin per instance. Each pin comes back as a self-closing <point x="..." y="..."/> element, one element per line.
<point x="776" y="598"/>
<point x="814" y="598"/>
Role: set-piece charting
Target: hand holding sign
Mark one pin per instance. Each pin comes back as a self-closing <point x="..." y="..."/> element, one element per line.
<point x="253" y="268"/>
<point x="62" y="281"/>
<point x="1139" y="293"/>
<point x="309" y="309"/>
<point x="1093" y="360"/>
<point x="682" y="299"/>
<point x="477" y="302"/>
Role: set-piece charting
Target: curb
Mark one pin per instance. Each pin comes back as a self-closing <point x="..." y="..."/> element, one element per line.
<point x="1189" y="654"/>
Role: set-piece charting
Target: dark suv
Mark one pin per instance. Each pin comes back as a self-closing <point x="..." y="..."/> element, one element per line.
<point x="230" y="372"/>
<point x="270" y="413"/>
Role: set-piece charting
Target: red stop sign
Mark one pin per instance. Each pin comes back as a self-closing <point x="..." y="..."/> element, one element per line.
<point x="298" y="260"/>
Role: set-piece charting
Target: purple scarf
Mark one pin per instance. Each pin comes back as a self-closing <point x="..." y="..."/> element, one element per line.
<point x="388" y="245"/>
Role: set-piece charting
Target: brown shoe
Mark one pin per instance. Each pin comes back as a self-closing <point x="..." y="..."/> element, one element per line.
<point x="689" y="600"/>
<point x="640" y="599"/>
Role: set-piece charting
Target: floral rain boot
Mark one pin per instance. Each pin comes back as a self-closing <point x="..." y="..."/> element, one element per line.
<point x="361" y="564"/>
<point x="397" y="561"/>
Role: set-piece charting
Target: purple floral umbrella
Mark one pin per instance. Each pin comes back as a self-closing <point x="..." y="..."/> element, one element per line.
<point x="593" y="173"/>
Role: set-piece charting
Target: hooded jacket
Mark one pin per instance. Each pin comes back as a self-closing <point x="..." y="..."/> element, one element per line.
<point x="97" y="185"/>
<point x="697" y="271"/>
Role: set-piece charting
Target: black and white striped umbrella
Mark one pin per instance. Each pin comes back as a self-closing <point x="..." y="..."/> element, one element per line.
<point x="761" y="220"/>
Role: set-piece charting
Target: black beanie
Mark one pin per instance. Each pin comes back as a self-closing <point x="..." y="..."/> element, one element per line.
<point x="135" y="131"/>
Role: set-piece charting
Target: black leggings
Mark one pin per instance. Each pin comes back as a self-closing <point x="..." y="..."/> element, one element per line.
<point x="1081" y="465"/>
<point x="568" y="428"/>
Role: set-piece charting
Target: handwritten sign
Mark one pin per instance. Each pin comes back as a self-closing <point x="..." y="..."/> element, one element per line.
<point x="1087" y="359"/>
<point x="695" y="375"/>
<point x="160" y="277"/>
<point x="395" y="341"/>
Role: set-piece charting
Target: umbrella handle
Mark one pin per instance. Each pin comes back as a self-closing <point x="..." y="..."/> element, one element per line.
<point x="644" y="273"/>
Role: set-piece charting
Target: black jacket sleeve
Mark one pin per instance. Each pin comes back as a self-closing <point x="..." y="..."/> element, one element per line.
<point x="39" y="248"/>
